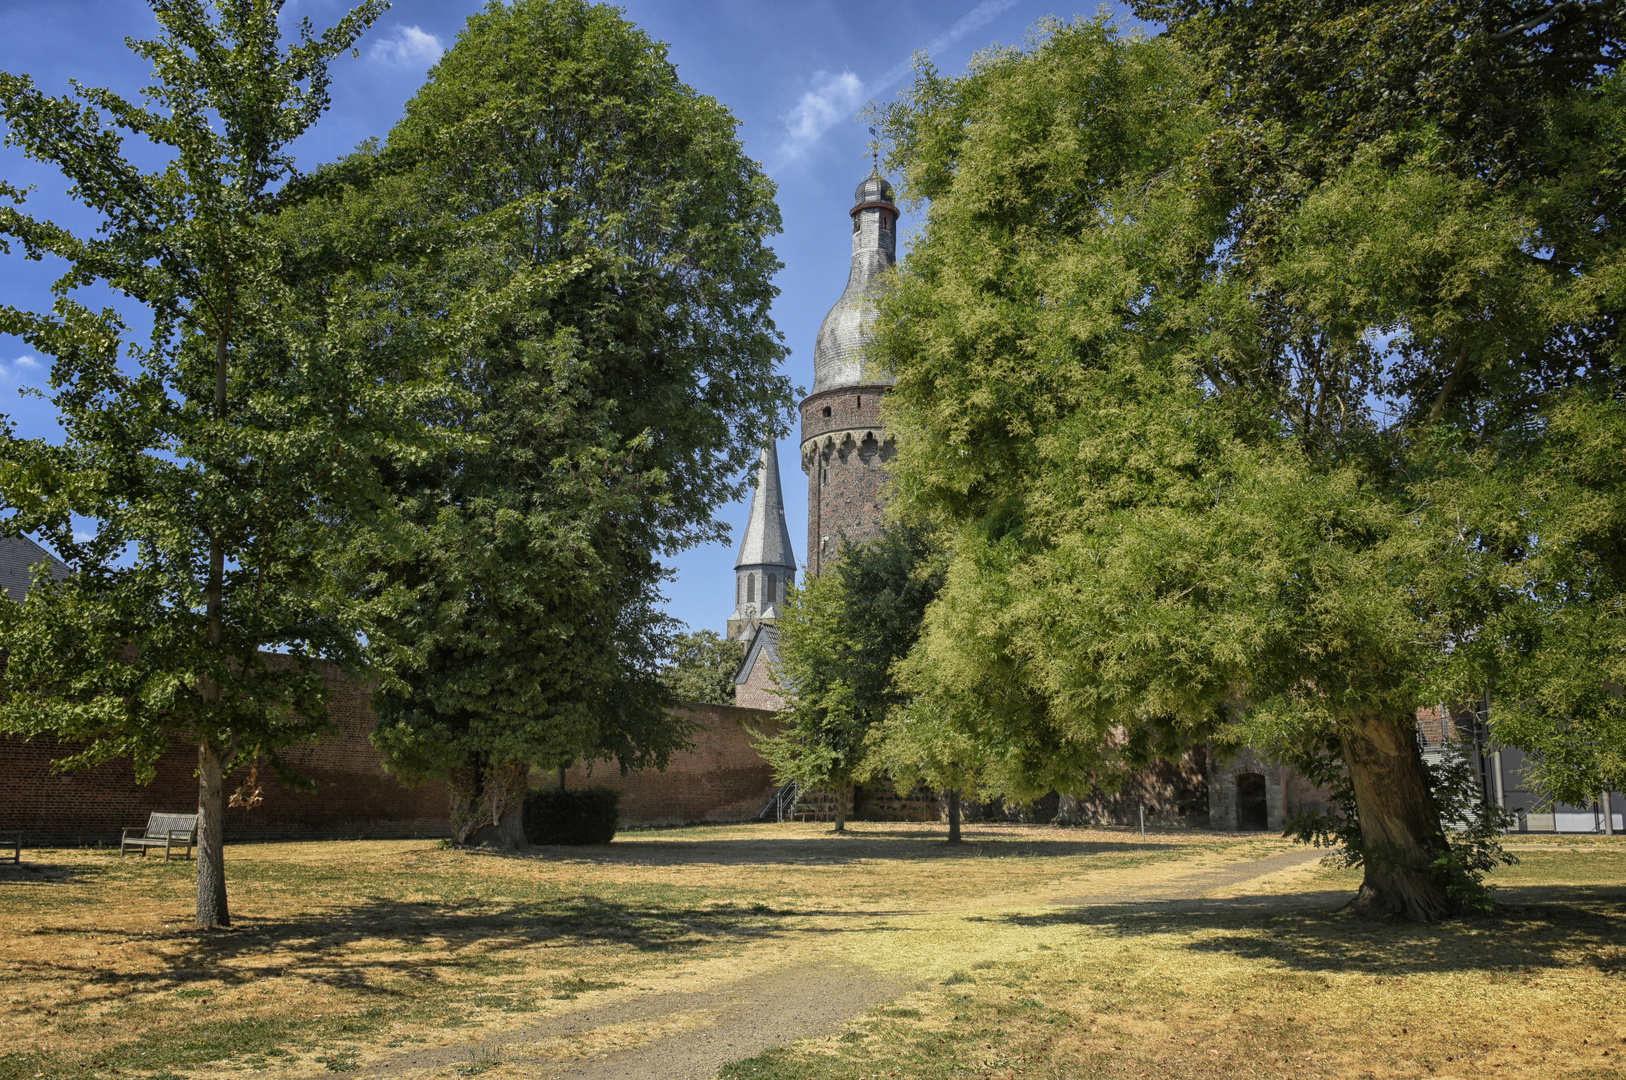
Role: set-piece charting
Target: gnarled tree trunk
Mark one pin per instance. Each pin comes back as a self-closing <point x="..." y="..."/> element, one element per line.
<point x="954" y="815"/>
<point x="212" y="911"/>
<point x="488" y="803"/>
<point x="1400" y="832"/>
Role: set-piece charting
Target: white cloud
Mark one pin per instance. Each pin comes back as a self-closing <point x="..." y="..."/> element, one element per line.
<point x="833" y="98"/>
<point x="20" y="369"/>
<point x="978" y="17"/>
<point x="408" y="45"/>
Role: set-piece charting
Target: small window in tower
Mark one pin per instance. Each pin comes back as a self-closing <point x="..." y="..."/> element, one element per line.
<point x="860" y="403"/>
<point x="750" y="589"/>
<point x="770" y="596"/>
<point x="827" y="410"/>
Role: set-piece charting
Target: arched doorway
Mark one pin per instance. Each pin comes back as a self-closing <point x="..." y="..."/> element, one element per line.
<point x="1251" y="813"/>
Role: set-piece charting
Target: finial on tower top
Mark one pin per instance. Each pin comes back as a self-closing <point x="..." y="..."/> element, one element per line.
<point x="875" y="148"/>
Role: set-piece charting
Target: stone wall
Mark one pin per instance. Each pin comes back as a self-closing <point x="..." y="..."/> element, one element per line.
<point x="844" y="453"/>
<point x="1286" y="792"/>
<point x="1172" y="793"/>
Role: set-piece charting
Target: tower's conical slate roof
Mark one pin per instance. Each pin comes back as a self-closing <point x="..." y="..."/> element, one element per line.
<point x="838" y="353"/>
<point x="767" y="537"/>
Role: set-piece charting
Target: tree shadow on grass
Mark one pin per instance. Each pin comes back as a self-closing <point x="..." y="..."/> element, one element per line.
<point x="384" y="947"/>
<point x="1533" y="928"/>
<point x="27" y="873"/>
<point x="841" y="850"/>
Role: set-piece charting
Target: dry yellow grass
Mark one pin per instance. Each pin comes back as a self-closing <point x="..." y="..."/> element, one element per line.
<point x="346" y="955"/>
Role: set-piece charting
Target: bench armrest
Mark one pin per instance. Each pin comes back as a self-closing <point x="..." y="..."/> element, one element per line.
<point x="180" y="834"/>
<point x="139" y="830"/>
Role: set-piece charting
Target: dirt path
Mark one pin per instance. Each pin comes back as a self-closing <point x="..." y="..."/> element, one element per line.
<point x="708" y="1029"/>
<point x="741" y="1019"/>
<point x="1198" y="886"/>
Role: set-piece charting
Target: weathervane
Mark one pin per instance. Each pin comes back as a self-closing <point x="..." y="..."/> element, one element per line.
<point x="875" y="147"/>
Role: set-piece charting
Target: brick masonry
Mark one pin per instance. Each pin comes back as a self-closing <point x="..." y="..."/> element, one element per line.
<point x="722" y="779"/>
<point x="354" y="796"/>
<point x="844" y="453"/>
<point x="759" y="691"/>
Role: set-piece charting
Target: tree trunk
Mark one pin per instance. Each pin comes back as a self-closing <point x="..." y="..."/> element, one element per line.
<point x="954" y="815"/>
<point x="841" y="806"/>
<point x="559" y="777"/>
<point x="212" y="912"/>
<point x="488" y="804"/>
<point x="1400" y="832"/>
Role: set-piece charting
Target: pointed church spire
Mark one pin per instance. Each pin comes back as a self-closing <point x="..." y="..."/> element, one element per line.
<point x="766" y="564"/>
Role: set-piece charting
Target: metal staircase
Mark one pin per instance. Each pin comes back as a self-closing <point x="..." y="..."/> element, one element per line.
<point x="781" y="803"/>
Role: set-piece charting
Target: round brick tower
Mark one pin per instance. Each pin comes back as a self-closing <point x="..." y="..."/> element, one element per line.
<point x="844" y="448"/>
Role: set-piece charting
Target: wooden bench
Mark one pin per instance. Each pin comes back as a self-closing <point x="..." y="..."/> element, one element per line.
<point x="167" y="831"/>
<point x="14" y="841"/>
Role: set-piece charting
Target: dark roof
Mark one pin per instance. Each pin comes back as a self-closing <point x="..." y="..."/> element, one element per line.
<point x="18" y="557"/>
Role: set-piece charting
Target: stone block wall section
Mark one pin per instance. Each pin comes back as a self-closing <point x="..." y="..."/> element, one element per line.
<point x="1172" y="793"/>
<point x="722" y="779"/>
<point x="1285" y="791"/>
<point x="844" y="453"/>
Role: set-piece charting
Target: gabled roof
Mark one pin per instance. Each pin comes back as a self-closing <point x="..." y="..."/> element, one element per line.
<point x="18" y="557"/>
<point x="764" y="641"/>
<point x="767" y="537"/>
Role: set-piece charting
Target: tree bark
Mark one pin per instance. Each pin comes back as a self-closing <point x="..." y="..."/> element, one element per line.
<point x="488" y="805"/>
<point x="212" y="911"/>
<point x="1400" y="832"/>
<point x="841" y="806"/>
<point x="463" y="792"/>
<point x="954" y="815"/>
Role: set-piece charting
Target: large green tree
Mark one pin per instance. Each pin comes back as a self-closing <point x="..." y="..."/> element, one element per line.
<point x="840" y="635"/>
<point x="602" y="274"/>
<point x="1145" y="363"/>
<point x="218" y="457"/>
<point x="701" y="667"/>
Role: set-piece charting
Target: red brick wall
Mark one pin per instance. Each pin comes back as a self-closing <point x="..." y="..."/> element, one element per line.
<point x="759" y="691"/>
<point x="354" y="795"/>
<point x="722" y="779"/>
<point x="844" y="455"/>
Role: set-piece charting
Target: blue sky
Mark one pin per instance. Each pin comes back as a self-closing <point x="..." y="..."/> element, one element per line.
<point x="794" y="74"/>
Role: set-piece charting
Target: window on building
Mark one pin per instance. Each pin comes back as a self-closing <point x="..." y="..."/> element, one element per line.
<point x="750" y="589"/>
<point x="860" y="403"/>
<point x="771" y="596"/>
<point x="827" y="410"/>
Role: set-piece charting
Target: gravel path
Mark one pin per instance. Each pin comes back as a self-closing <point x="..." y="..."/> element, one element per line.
<point x="759" y="1012"/>
<point x="1198" y="886"/>
<point x="751" y="1016"/>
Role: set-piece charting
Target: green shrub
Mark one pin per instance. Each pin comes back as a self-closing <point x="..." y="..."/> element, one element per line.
<point x="572" y="816"/>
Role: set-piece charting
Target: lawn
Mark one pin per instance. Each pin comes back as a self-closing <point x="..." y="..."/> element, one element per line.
<point x="1028" y="952"/>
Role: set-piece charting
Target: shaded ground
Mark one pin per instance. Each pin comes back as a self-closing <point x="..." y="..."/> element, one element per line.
<point x="1029" y="952"/>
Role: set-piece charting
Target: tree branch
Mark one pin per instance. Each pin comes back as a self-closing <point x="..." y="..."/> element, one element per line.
<point x="1535" y="20"/>
<point x="1457" y="371"/>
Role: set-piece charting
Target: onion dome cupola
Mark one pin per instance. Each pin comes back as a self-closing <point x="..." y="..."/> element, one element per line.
<point x="766" y="565"/>
<point x="838" y="353"/>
